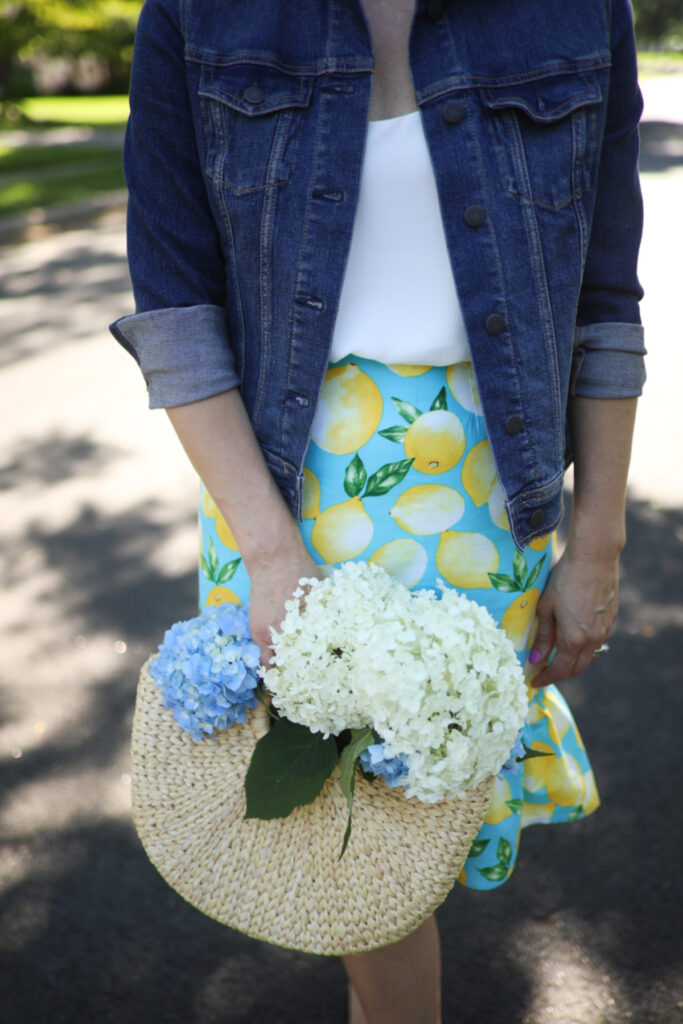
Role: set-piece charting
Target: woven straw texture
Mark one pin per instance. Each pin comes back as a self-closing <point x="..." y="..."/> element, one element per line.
<point x="282" y="881"/>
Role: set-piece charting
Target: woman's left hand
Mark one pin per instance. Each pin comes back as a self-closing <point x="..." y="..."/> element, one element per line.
<point x="575" y="615"/>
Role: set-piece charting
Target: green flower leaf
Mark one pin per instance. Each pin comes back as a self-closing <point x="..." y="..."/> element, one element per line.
<point x="440" y="401"/>
<point x="478" y="847"/>
<point x="533" y="575"/>
<point x="228" y="571"/>
<point x="406" y="410"/>
<point x="288" y="769"/>
<point x="575" y="813"/>
<point x="213" y="559"/>
<point x="348" y="762"/>
<point x="355" y="476"/>
<point x="529" y="753"/>
<point x="387" y="477"/>
<point x="396" y="434"/>
<point x="504" y="852"/>
<point x="206" y="568"/>
<point x="515" y="805"/>
<point x="505" y="583"/>
<point x="519" y="568"/>
<point x="495" y="874"/>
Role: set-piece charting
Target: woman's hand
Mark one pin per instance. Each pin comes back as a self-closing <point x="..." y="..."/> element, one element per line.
<point x="575" y="614"/>
<point x="273" y="581"/>
<point x="579" y="605"/>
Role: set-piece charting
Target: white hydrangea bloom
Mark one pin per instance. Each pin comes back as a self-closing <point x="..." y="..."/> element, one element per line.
<point x="432" y="674"/>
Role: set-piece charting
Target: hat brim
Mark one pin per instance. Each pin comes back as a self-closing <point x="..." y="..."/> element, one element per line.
<point x="281" y="880"/>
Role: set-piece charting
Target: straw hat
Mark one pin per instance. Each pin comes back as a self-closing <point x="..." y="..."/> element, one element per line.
<point x="282" y="880"/>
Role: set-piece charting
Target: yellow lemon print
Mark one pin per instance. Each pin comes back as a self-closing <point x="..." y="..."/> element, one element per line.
<point x="561" y="775"/>
<point x="591" y="800"/>
<point x="408" y="370"/>
<point x="221" y="595"/>
<point x="428" y="508"/>
<point x="404" y="559"/>
<point x="518" y="617"/>
<point x="342" y="531"/>
<point x="348" y="412"/>
<point x="435" y="440"/>
<point x="564" y="781"/>
<point x="536" y="768"/>
<point x="498" y="808"/>
<point x="536" y="814"/>
<point x="463" y="386"/>
<point x="559" y="719"/>
<point x="497" y="506"/>
<point x="479" y="472"/>
<point x="310" y="507"/>
<point x="540" y="543"/>
<point x="466" y="559"/>
<point x="225" y="533"/>
<point x="209" y="507"/>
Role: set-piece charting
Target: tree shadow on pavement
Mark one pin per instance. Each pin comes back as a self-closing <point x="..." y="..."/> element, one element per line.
<point x="51" y="460"/>
<point x="68" y="287"/>
<point x="91" y="933"/>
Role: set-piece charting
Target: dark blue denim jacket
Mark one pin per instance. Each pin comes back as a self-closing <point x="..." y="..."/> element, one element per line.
<point x="243" y="159"/>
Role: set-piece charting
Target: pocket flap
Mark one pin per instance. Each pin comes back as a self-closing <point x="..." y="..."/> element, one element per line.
<point x="548" y="98"/>
<point x="254" y="90"/>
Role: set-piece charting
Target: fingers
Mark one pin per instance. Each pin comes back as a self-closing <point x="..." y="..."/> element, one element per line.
<point x="574" y="653"/>
<point x="545" y="638"/>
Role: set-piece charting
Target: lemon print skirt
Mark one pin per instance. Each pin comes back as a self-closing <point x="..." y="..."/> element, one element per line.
<point x="400" y="472"/>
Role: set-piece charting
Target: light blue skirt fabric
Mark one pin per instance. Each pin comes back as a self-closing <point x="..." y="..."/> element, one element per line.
<point x="399" y="471"/>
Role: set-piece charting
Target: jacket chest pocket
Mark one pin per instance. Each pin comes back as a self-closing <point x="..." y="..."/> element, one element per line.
<point x="251" y="119"/>
<point x="546" y="136"/>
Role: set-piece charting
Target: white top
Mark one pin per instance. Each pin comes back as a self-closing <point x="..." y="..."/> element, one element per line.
<point x="399" y="302"/>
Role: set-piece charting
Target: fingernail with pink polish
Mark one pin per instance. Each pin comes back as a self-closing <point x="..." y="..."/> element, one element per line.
<point x="534" y="657"/>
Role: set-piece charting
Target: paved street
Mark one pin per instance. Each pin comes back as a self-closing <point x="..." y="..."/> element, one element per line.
<point x="98" y="547"/>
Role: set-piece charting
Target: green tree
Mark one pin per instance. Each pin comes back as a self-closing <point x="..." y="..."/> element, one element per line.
<point x="657" y="20"/>
<point x="68" y="29"/>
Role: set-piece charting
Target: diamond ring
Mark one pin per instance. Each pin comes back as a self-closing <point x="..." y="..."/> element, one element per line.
<point x="601" y="650"/>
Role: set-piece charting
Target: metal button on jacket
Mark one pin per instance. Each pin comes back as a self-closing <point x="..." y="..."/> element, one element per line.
<point x="475" y="216"/>
<point x="537" y="519"/>
<point x="435" y="9"/>
<point x="254" y="94"/>
<point x="495" y="324"/>
<point x="513" y="424"/>
<point x="453" y="112"/>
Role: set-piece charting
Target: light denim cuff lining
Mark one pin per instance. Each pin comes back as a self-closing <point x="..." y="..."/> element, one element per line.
<point x="184" y="352"/>
<point x="609" y="361"/>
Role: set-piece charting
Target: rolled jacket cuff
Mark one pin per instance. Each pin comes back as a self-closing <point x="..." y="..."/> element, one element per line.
<point x="609" y="361"/>
<point x="184" y="352"/>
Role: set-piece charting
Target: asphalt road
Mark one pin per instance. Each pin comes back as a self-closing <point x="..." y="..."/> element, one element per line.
<point x="98" y="548"/>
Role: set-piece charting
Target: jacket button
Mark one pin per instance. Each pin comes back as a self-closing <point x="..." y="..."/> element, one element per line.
<point x="495" y="324"/>
<point x="513" y="424"/>
<point x="435" y="9"/>
<point x="537" y="519"/>
<point x="453" y="112"/>
<point x="254" y="94"/>
<point x="475" y="216"/>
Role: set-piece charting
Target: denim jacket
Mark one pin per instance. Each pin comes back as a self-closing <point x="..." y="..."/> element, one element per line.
<point x="243" y="157"/>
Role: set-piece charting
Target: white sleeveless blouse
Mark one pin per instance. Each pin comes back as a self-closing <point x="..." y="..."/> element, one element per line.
<point x="399" y="302"/>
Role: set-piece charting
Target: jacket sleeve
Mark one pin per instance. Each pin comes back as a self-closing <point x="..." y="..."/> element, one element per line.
<point x="609" y="348"/>
<point x="179" y="332"/>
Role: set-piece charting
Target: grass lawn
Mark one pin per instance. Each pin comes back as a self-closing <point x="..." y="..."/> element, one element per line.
<point x="27" y="195"/>
<point x="97" y="111"/>
<point x="34" y="175"/>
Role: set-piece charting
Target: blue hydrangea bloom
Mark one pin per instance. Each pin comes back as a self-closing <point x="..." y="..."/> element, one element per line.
<point x="375" y="761"/>
<point x="206" y="670"/>
<point x="515" y="756"/>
